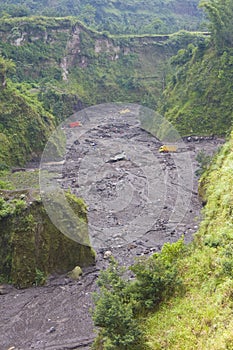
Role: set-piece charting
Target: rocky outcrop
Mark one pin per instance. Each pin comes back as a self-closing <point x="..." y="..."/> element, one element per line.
<point x="70" y="67"/>
<point x="31" y="247"/>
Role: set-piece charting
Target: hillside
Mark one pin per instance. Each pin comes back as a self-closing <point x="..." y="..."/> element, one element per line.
<point x="116" y="17"/>
<point x="176" y="296"/>
<point x="60" y="66"/>
<point x="198" y="97"/>
<point x="199" y="93"/>
<point x="24" y="127"/>
<point x="204" y="309"/>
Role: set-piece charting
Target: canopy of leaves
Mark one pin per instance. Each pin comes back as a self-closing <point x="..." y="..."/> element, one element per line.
<point x="199" y="93"/>
<point x="129" y="16"/>
<point x="220" y="14"/>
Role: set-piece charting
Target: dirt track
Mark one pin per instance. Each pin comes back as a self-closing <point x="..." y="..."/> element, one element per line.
<point x="130" y="214"/>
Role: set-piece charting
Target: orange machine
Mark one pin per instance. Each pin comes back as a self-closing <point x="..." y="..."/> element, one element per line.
<point x="74" y="124"/>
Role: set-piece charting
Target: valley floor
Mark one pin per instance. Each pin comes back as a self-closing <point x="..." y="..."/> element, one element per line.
<point x="57" y="316"/>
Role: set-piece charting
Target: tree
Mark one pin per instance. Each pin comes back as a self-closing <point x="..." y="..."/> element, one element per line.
<point x="220" y="13"/>
<point x="114" y="310"/>
<point x="5" y="67"/>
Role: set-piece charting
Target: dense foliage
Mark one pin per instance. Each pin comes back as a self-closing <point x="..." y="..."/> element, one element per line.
<point x="220" y="13"/>
<point x="121" y="301"/>
<point x="129" y="16"/>
<point x="24" y="127"/>
<point x="199" y="93"/>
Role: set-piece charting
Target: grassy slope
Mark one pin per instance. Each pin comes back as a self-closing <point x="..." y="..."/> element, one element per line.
<point x="24" y="127"/>
<point x="198" y="98"/>
<point x="202" y="317"/>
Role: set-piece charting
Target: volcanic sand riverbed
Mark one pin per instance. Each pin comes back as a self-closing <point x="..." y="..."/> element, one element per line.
<point x="137" y="200"/>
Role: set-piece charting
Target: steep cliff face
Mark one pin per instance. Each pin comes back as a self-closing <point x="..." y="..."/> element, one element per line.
<point x="62" y="67"/>
<point x="31" y="247"/>
<point x="24" y="127"/>
<point x="63" y="57"/>
<point x="199" y="94"/>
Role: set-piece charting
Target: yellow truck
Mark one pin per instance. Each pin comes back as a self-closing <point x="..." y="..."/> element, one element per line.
<point x="168" y="148"/>
<point x="176" y="148"/>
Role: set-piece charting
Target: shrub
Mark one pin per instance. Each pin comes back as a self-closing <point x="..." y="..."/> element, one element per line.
<point x="40" y="277"/>
<point x="114" y="310"/>
<point x="204" y="161"/>
<point x="5" y="208"/>
<point x="5" y="185"/>
<point x="156" y="277"/>
<point x="121" y="302"/>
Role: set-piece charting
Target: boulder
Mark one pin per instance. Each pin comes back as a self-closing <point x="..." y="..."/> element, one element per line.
<point x="107" y="254"/>
<point x="76" y="273"/>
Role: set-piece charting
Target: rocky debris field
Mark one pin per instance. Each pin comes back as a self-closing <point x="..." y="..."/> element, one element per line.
<point x="137" y="198"/>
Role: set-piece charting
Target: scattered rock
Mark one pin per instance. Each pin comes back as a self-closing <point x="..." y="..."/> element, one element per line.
<point x="117" y="157"/>
<point x="76" y="273"/>
<point x="52" y="329"/>
<point x="5" y="289"/>
<point x="15" y="170"/>
<point x="139" y="242"/>
<point x="153" y="249"/>
<point x="107" y="254"/>
<point x="131" y="246"/>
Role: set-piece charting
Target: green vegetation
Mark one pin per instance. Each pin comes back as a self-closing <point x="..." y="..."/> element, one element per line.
<point x="31" y="246"/>
<point x="19" y="180"/>
<point x="114" y="310"/>
<point x="66" y="75"/>
<point x="121" y="303"/>
<point x="24" y="127"/>
<point x="204" y="161"/>
<point x="5" y="185"/>
<point x="116" y="17"/>
<point x="5" y="67"/>
<point x="53" y="67"/>
<point x="220" y="14"/>
<point x="199" y="93"/>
